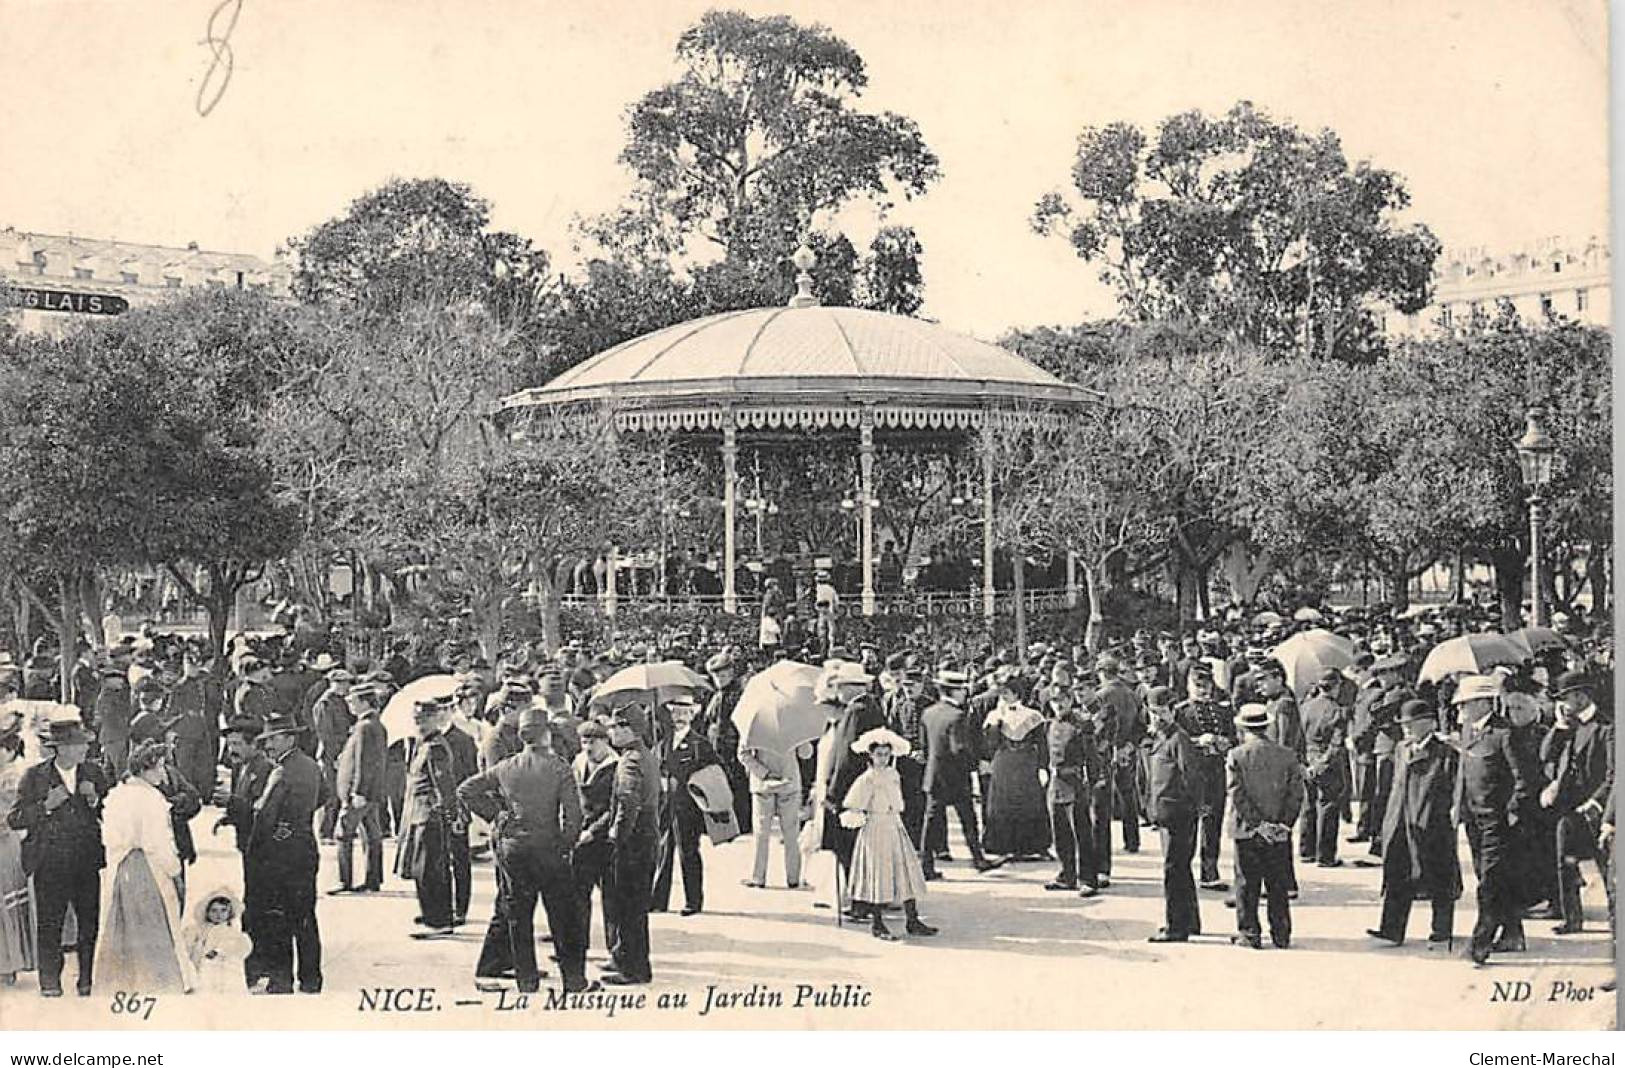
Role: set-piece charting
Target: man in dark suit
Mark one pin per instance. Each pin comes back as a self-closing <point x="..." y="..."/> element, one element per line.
<point x="1266" y="794"/>
<point x="250" y="770"/>
<point x="683" y="822"/>
<point x="112" y="719"/>
<point x="1175" y="777"/>
<point x="331" y="718"/>
<point x="949" y="760"/>
<point x="1492" y="798"/>
<point x="1579" y="750"/>
<point x="1419" y="856"/>
<point x="59" y="808"/>
<point x="1325" y="733"/>
<point x="634" y="836"/>
<point x="594" y="769"/>
<point x="282" y="860"/>
<point x="534" y="809"/>
<point x="194" y="720"/>
<point x="1128" y="728"/>
<point x="433" y="816"/>
<point x="358" y="782"/>
<point x="1069" y="743"/>
<point x="465" y="757"/>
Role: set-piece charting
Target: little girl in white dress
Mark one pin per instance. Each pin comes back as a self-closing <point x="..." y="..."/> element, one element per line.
<point x="885" y="867"/>
<point x="215" y="946"/>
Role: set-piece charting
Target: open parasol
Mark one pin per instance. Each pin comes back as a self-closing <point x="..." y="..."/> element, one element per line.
<point x="1311" y="653"/>
<point x="649" y="684"/>
<point x="1308" y="615"/>
<point x="1268" y="619"/>
<point x="777" y="711"/>
<point x="1539" y="639"/>
<point x="397" y="714"/>
<point x="1471" y="654"/>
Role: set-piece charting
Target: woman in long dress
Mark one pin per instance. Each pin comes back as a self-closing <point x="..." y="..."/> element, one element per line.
<point x="139" y="947"/>
<point x="16" y="899"/>
<point x="885" y="866"/>
<point x="1017" y="814"/>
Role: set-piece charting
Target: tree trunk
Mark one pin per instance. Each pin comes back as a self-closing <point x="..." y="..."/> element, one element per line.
<point x="1459" y="594"/>
<point x="1243" y="571"/>
<point x="1399" y="577"/>
<point x="1597" y="575"/>
<point x="1185" y="593"/>
<point x="1509" y="569"/>
<point x="1095" y="630"/>
<point x="93" y="604"/>
<point x="1204" y="604"/>
<point x="1020" y="568"/>
<point x="67" y="588"/>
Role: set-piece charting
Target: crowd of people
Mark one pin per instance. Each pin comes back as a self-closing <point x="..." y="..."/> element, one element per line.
<point x="572" y="787"/>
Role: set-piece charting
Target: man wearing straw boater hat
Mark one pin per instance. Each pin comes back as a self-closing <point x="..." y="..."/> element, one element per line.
<point x="1266" y="793"/>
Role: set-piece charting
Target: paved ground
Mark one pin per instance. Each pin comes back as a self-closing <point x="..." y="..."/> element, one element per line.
<point x="1010" y="956"/>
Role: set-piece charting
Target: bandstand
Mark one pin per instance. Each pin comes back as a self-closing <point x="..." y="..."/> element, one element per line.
<point x="847" y="375"/>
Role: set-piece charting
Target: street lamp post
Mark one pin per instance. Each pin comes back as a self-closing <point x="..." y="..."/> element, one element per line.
<point x="1536" y="453"/>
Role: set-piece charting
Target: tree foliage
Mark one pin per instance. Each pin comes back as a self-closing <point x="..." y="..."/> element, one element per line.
<point x="1245" y="223"/>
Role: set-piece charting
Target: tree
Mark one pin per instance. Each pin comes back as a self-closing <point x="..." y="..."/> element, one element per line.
<point x="1245" y="223"/>
<point x="760" y="132"/>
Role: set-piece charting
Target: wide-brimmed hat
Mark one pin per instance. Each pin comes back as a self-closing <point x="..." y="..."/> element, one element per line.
<point x="65" y="732"/>
<point x="881" y="736"/>
<point x="1415" y="709"/>
<point x="953" y="680"/>
<point x="1254" y="717"/>
<point x="846" y="673"/>
<point x="280" y="724"/>
<point x="631" y="715"/>
<point x="1570" y="681"/>
<point x="324" y="662"/>
<point x="1477" y="687"/>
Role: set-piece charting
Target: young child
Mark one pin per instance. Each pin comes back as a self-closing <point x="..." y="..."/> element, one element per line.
<point x="885" y="868"/>
<point x="216" y="947"/>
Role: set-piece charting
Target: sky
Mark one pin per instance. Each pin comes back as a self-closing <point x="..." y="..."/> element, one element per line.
<point x="1495" y="112"/>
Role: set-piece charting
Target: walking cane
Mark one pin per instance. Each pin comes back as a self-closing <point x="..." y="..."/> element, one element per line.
<point x="840" y="919"/>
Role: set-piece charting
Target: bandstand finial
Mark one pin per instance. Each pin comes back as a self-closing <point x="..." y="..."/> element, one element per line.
<point x="803" y="258"/>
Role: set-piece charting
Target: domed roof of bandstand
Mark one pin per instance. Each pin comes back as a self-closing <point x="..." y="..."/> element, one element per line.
<point x="805" y="365"/>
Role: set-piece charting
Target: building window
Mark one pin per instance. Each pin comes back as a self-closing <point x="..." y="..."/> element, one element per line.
<point x="1557" y="267"/>
<point x="239" y="279"/>
<point x="39" y="263"/>
<point x="172" y="281"/>
<point x="1582" y="300"/>
<point x="1545" y="304"/>
<point x="83" y="272"/>
<point x="1446" y="317"/>
<point x="129" y="278"/>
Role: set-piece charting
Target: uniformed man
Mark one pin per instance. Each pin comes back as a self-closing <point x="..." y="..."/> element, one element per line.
<point x="433" y="814"/>
<point x="1068" y="742"/>
<point x="903" y="715"/>
<point x="1325" y="734"/>
<point x="1492" y="793"/>
<point x="634" y="836"/>
<point x="1209" y="724"/>
<point x="594" y="770"/>
<point x="250" y="770"/>
<point x="1175" y="793"/>
<point x="282" y="860"/>
<point x="1580" y="751"/>
<point x="683" y="822"/>
<point x="532" y="804"/>
<point x="1128" y="728"/>
<point x="1379" y="728"/>
<point x="1266" y="794"/>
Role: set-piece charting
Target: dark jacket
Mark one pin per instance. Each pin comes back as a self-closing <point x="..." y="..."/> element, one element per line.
<point x="1217" y="718"/>
<point x="1581" y="761"/>
<point x="362" y="762"/>
<point x="282" y="834"/>
<point x="248" y="781"/>
<point x="1493" y="787"/>
<point x="531" y="802"/>
<point x="634" y="799"/>
<point x="1418" y="837"/>
<point x="683" y="759"/>
<point x="1286" y="729"/>
<point x="69" y="837"/>
<point x="332" y="722"/>
<point x="1173" y="773"/>
<point x="465" y="753"/>
<point x="1069" y="742"/>
<point x="597" y="786"/>
<point x="949" y="753"/>
<point x="184" y="803"/>
<point x="1325" y="726"/>
<point x="1128" y="719"/>
<point x="1265" y="784"/>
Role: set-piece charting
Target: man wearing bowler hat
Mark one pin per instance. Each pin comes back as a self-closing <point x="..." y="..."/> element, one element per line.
<point x="59" y="809"/>
<point x="1579" y="750"/>
<point x="1266" y="793"/>
<point x="1419" y="857"/>
<point x="282" y="860"/>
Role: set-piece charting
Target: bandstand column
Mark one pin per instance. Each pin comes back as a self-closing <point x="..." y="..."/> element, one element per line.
<point x="866" y="466"/>
<point x="730" y="461"/>
<point x="1071" y="579"/>
<point x="609" y="581"/>
<point x="987" y="515"/>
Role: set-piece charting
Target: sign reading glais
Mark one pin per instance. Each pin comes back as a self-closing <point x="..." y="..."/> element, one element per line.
<point x="60" y="300"/>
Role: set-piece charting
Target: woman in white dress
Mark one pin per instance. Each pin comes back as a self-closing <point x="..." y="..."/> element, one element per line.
<point x="139" y="946"/>
<point x="885" y="867"/>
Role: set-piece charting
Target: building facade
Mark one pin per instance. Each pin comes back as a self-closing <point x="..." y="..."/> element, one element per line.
<point x="52" y="281"/>
<point x="1563" y="276"/>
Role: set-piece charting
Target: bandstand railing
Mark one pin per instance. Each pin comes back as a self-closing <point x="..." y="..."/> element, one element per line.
<point x="960" y="603"/>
